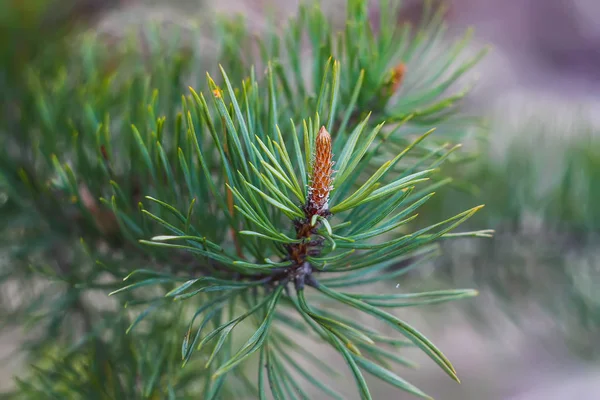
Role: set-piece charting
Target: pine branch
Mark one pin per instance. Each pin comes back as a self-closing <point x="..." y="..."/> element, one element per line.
<point x="199" y="213"/>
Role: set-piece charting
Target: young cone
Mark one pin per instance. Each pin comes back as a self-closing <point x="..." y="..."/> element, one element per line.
<point x="318" y="196"/>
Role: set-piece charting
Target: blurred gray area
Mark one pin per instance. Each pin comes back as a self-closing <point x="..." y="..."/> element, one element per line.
<point x="546" y="60"/>
<point x="553" y="44"/>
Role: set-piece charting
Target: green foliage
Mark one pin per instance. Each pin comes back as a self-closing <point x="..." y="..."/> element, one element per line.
<point x="540" y="194"/>
<point x="196" y="211"/>
<point x="547" y="168"/>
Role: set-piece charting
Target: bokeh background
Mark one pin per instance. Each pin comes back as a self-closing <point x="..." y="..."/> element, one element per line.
<point x="534" y="332"/>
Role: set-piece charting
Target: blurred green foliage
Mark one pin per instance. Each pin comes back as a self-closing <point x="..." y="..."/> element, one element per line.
<point x="540" y="181"/>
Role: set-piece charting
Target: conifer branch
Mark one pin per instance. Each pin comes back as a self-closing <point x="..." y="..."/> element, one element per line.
<point x="196" y="214"/>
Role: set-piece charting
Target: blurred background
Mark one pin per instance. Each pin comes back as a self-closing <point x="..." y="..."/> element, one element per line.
<point x="534" y="332"/>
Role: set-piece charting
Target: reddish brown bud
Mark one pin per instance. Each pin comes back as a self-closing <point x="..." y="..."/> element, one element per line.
<point x="396" y="78"/>
<point x="321" y="174"/>
<point x="104" y="152"/>
<point x="105" y="220"/>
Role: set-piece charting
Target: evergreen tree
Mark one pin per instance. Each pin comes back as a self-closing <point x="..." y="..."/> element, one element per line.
<point x="227" y="219"/>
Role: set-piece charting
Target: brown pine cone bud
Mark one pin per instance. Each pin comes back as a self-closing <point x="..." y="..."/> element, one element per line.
<point x="318" y="194"/>
<point x="397" y="77"/>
